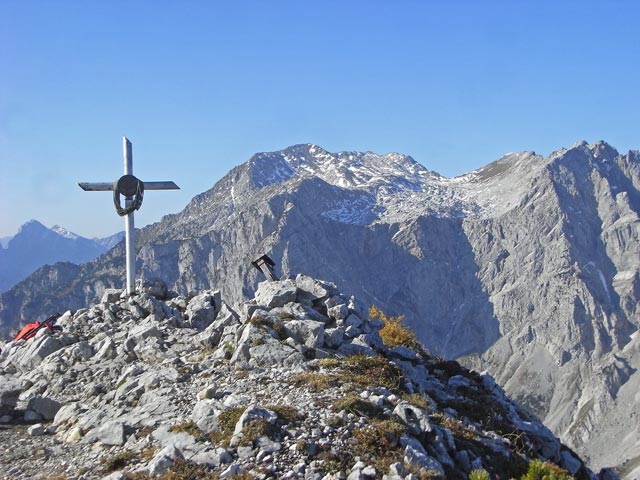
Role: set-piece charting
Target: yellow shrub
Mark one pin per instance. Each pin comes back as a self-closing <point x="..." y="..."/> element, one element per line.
<point x="395" y="333"/>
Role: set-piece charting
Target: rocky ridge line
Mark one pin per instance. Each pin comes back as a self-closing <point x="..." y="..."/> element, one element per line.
<point x="296" y="383"/>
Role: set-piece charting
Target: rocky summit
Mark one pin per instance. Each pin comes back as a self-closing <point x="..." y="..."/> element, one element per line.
<point x="299" y="382"/>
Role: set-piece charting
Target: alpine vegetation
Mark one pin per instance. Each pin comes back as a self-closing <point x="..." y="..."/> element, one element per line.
<point x="296" y="383"/>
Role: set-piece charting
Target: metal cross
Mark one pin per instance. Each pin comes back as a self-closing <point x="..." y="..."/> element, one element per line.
<point x="132" y="189"/>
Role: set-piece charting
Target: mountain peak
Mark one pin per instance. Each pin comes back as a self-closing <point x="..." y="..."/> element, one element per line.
<point x="352" y="169"/>
<point x="603" y="150"/>
<point x="32" y="226"/>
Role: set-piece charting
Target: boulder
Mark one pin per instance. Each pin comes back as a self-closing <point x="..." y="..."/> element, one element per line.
<point x="152" y="286"/>
<point x="111" y="295"/>
<point x="333" y="337"/>
<point x="307" y="332"/>
<point x="214" y="457"/>
<point x="276" y="294"/>
<point x="205" y="415"/>
<point x="212" y="335"/>
<point x="272" y="352"/>
<point x="35" y="351"/>
<point x="44" y="406"/>
<point x="311" y="289"/>
<point x="251" y="414"/>
<point x="415" y="454"/>
<point x="164" y="459"/>
<point x="110" y="433"/>
<point x="338" y="312"/>
<point x="202" y="310"/>
<point x="66" y="413"/>
<point x="415" y="418"/>
<point x="10" y="390"/>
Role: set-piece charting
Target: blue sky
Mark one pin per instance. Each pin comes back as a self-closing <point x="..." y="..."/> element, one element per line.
<point x="199" y="86"/>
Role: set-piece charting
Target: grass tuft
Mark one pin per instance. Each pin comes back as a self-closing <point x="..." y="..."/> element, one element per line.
<point x="226" y="423"/>
<point x="186" y="427"/>
<point x="352" y="403"/>
<point x="317" y="382"/>
<point x="379" y="443"/>
<point x="365" y="371"/>
<point x="539" y="470"/>
<point x="118" y="461"/>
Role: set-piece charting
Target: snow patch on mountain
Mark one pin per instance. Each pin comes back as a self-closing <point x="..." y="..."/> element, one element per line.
<point x="63" y="232"/>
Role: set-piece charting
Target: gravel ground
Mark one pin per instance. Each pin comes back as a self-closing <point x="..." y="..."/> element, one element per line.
<point x="25" y="456"/>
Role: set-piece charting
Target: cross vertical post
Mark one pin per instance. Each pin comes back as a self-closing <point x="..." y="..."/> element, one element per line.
<point x="132" y="189"/>
<point x="130" y="229"/>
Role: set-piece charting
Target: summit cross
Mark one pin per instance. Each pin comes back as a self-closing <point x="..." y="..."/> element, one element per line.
<point x="132" y="189"/>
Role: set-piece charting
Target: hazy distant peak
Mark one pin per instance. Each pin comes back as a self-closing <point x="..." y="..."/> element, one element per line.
<point x="32" y="226"/>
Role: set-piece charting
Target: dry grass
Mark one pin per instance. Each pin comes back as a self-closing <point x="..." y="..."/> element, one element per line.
<point x="378" y="443"/>
<point x="330" y="362"/>
<point x="416" y="400"/>
<point x="366" y="371"/>
<point x="286" y="414"/>
<point x="180" y="470"/>
<point x="352" y="403"/>
<point x="357" y="370"/>
<point x="395" y="333"/>
<point x="457" y="428"/>
<point x="148" y="453"/>
<point x="315" y="381"/>
<point x="186" y="427"/>
<point x="268" y="324"/>
<point x="118" y="461"/>
<point x="227" y="422"/>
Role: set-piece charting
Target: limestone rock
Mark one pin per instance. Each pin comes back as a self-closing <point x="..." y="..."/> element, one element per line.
<point x="276" y="294"/>
<point x="202" y="309"/>
<point x="414" y="417"/>
<point x="10" y="389"/>
<point x="46" y="407"/>
<point x="110" y="433"/>
<point x="152" y="286"/>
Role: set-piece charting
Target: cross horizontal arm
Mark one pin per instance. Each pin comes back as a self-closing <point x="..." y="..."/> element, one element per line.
<point x="96" y="186"/>
<point x="160" y="186"/>
<point x="107" y="187"/>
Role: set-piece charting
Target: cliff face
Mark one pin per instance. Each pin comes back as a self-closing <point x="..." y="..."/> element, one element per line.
<point x="527" y="267"/>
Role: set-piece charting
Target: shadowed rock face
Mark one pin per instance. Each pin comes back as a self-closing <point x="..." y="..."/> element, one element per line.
<point x="527" y="267"/>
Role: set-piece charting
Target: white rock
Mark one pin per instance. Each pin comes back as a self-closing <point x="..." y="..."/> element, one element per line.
<point x="415" y="418"/>
<point x="36" y="430"/>
<point x="110" y="433"/>
<point x="276" y="294"/>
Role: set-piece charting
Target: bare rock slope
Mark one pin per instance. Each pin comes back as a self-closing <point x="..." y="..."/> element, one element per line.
<point x="527" y="267"/>
<point x="297" y="383"/>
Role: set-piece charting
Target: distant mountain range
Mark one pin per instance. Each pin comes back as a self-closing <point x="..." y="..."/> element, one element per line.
<point x="36" y="245"/>
<point x="528" y="267"/>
